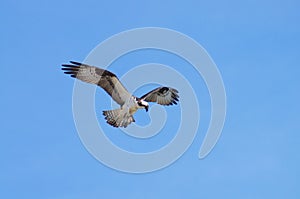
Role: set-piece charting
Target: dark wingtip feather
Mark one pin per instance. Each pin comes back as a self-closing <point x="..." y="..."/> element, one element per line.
<point x="70" y="73"/>
<point x="71" y="69"/>
<point x="76" y="63"/>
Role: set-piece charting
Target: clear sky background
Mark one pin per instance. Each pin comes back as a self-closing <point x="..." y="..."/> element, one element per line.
<point x="255" y="44"/>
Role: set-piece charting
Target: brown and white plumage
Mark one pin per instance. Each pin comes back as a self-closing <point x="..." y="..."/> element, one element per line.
<point x="162" y="95"/>
<point x="103" y="78"/>
<point x="129" y="104"/>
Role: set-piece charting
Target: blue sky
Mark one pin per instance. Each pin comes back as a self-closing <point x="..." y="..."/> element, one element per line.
<point x="255" y="44"/>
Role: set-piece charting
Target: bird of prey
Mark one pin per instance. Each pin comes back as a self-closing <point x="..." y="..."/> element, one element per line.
<point x="129" y="104"/>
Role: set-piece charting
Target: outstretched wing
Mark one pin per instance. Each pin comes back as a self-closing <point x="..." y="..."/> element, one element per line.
<point x="103" y="78"/>
<point x="162" y="95"/>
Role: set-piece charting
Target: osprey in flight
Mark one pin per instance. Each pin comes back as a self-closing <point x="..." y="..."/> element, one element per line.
<point x="129" y="104"/>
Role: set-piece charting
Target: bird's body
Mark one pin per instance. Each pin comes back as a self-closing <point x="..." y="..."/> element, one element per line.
<point x="132" y="106"/>
<point x="129" y="104"/>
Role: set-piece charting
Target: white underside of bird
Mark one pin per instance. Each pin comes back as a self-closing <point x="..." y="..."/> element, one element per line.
<point x="123" y="116"/>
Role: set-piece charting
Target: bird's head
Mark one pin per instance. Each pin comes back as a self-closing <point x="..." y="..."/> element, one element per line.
<point x="143" y="104"/>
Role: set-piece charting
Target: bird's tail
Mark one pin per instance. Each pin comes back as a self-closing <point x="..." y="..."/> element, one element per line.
<point x="118" y="118"/>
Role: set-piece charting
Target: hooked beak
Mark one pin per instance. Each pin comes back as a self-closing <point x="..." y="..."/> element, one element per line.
<point x="146" y="107"/>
